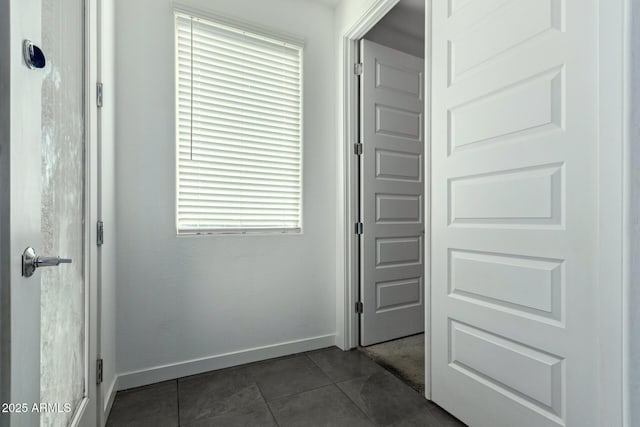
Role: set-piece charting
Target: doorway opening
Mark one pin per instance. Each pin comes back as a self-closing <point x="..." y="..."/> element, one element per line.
<point x="390" y="191"/>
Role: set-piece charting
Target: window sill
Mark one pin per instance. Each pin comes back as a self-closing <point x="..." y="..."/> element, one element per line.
<point x="241" y="232"/>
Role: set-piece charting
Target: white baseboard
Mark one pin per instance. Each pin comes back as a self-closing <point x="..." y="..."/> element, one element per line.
<point x="111" y="396"/>
<point x="197" y="366"/>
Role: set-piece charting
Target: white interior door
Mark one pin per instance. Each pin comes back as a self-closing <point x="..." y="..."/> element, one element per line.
<point x="49" y="363"/>
<point x="392" y="194"/>
<point x="24" y="216"/>
<point x="514" y="218"/>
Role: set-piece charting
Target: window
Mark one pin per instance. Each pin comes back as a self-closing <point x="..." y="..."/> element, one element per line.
<point x="239" y="129"/>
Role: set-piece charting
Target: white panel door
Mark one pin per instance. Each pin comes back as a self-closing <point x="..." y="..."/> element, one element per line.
<point x="392" y="193"/>
<point x="50" y="357"/>
<point x="23" y="149"/>
<point x="514" y="96"/>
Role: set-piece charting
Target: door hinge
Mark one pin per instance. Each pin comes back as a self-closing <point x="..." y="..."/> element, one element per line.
<point x="357" y="148"/>
<point x="359" y="228"/>
<point x="357" y="69"/>
<point x="99" y="370"/>
<point x="359" y="307"/>
<point x="100" y="233"/>
<point x="99" y="94"/>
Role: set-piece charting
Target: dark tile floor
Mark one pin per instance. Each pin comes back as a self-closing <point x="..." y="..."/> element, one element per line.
<point x="326" y="387"/>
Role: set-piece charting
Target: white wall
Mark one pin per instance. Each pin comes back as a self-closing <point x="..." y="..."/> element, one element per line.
<point x="349" y="11"/>
<point x="185" y="303"/>
<point x="108" y="207"/>
<point x="392" y="38"/>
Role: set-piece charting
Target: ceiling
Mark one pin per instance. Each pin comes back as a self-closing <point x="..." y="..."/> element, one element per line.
<point x="407" y="17"/>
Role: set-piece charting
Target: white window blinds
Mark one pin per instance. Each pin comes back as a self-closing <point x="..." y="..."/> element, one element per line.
<point x="239" y="130"/>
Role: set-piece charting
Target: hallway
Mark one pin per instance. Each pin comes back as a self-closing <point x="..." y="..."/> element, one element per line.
<point x="326" y="387"/>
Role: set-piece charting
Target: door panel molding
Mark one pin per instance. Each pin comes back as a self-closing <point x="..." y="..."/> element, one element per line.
<point x="560" y="241"/>
<point x="392" y="210"/>
<point x="615" y="42"/>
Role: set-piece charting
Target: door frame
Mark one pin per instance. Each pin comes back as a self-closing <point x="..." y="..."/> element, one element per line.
<point x="348" y="206"/>
<point x="87" y="412"/>
<point x="614" y="207"/>
<point x="92" y="197"/>
<point x="348" y="126"/>
<point x="91" y="406"/>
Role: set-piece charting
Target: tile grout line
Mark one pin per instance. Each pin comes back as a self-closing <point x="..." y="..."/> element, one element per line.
<point x="321" y="370"/>
<point x="303" y="354"/>
<point x="356" y="404"/>
<point x="286" y="396"/>
<point x="267" y="404"/>
<point x="335" y="383"/>
<point x="304" y="391"/>
<point x="178" y="399"/>
<point x="314" y="362"/>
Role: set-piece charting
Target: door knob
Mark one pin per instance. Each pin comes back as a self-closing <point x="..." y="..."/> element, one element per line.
<point x="31" y="261"/>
